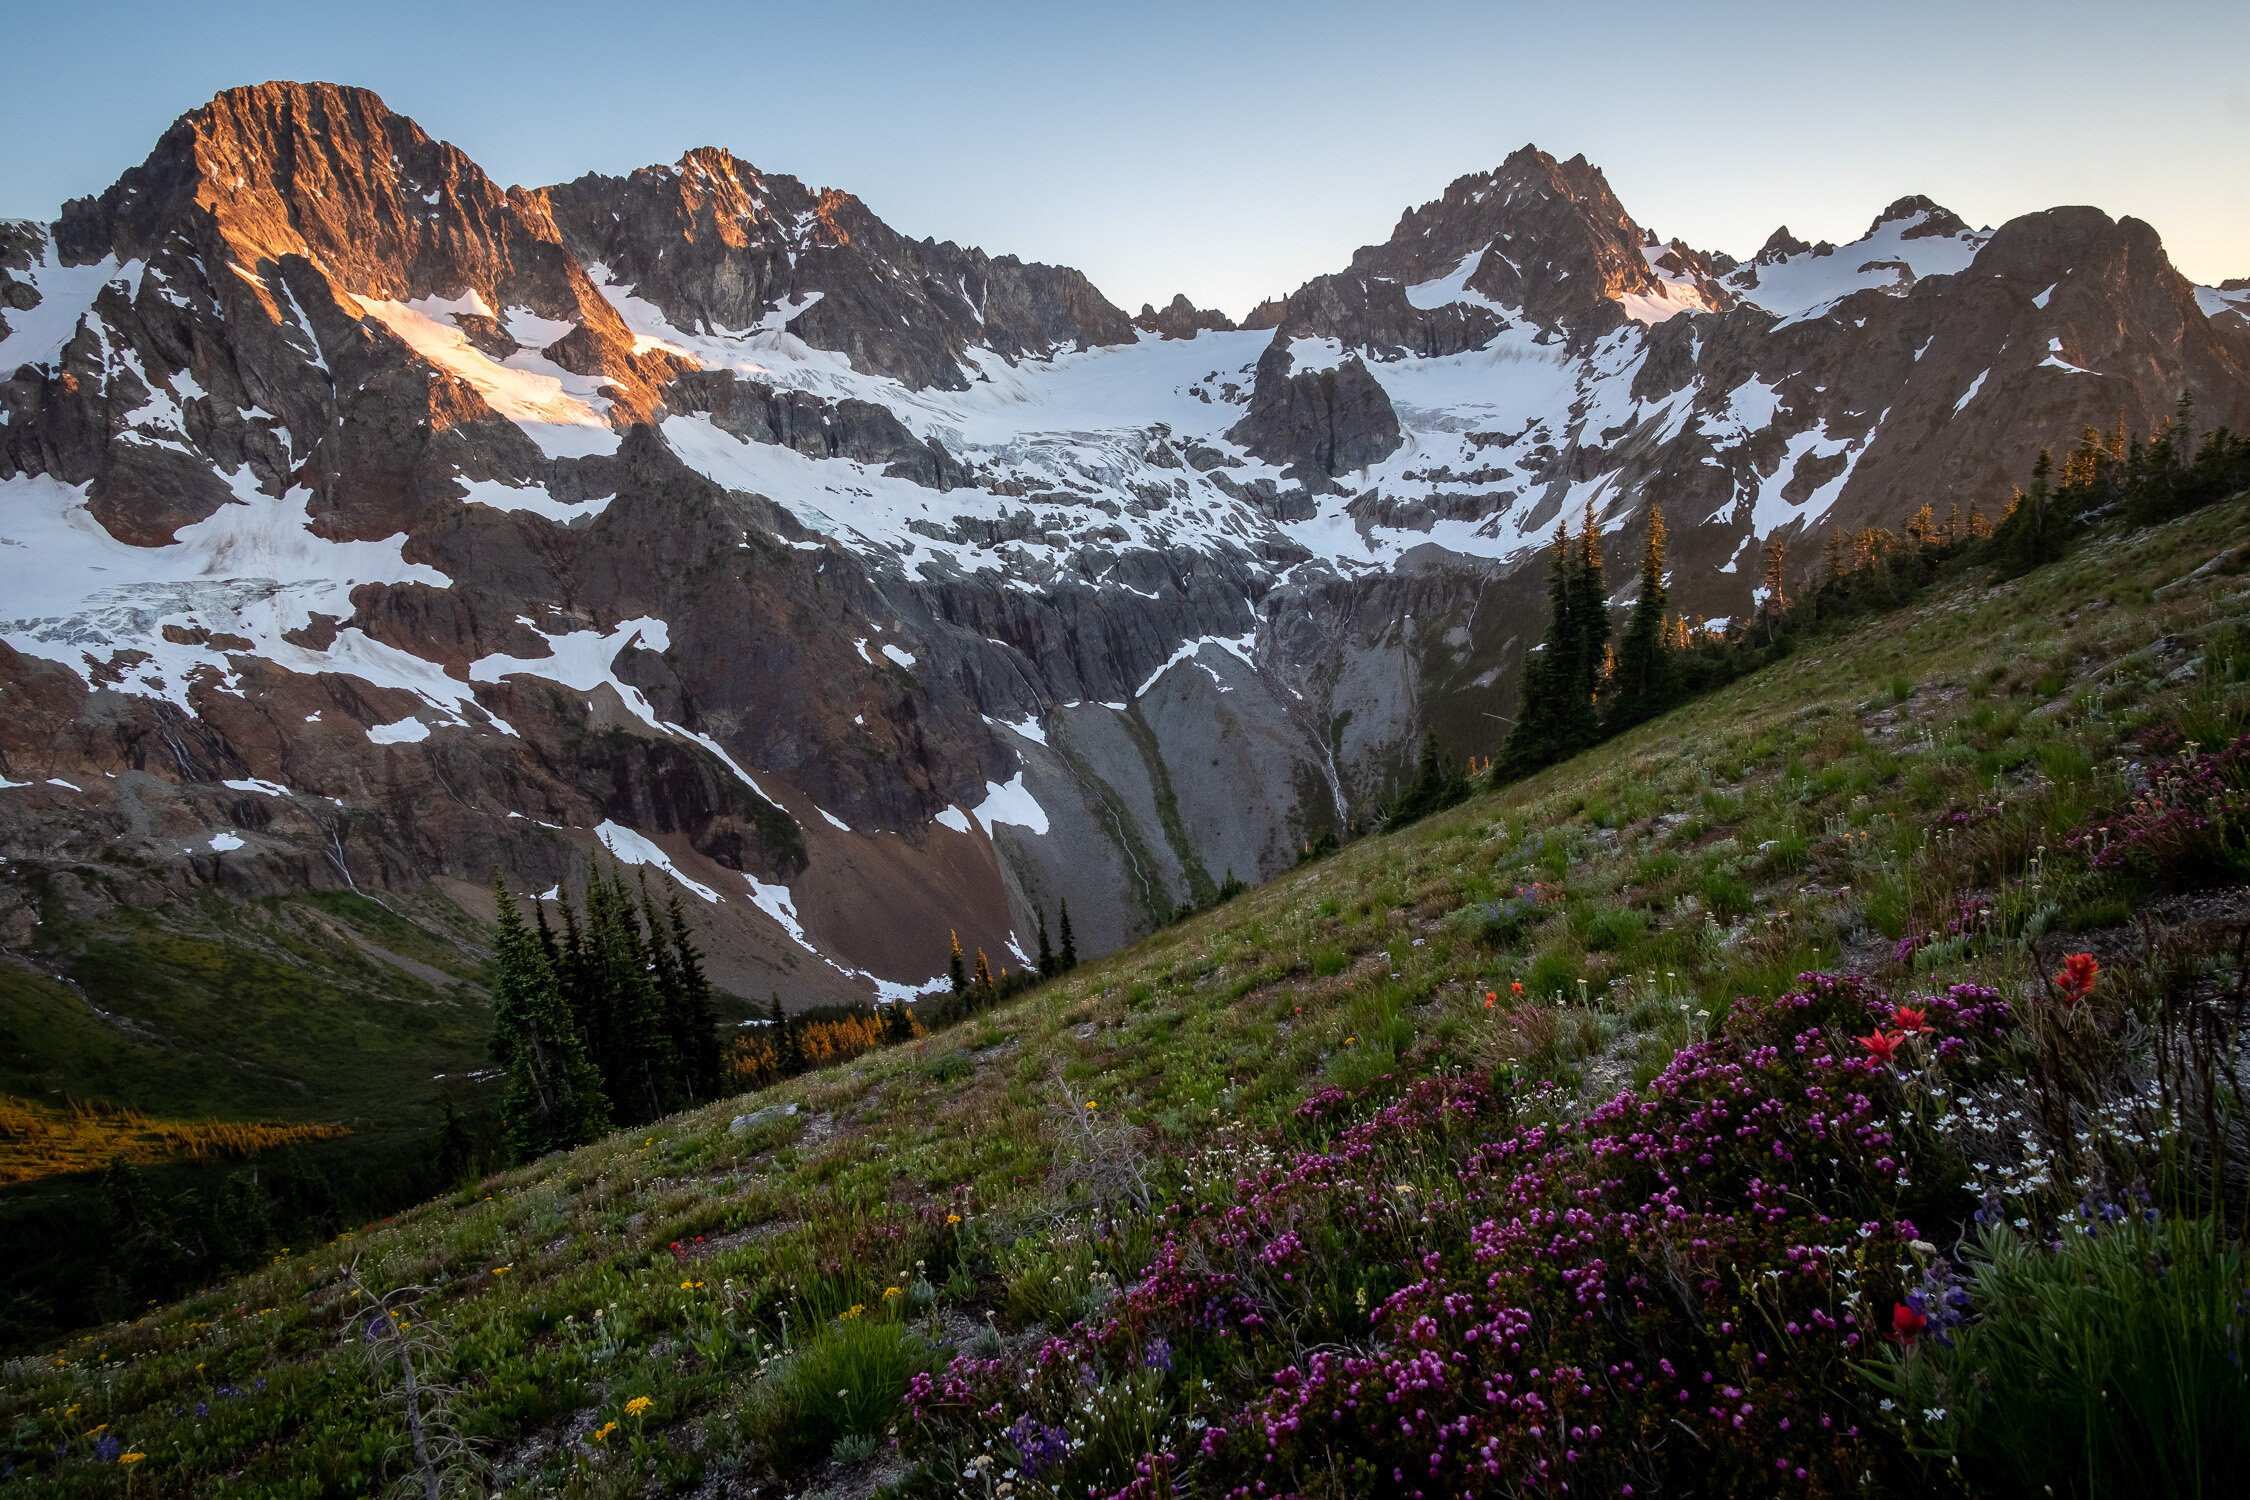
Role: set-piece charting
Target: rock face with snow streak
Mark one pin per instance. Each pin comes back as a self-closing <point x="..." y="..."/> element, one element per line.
<point x="370" y="525"/>
<point x="716" y="244"/>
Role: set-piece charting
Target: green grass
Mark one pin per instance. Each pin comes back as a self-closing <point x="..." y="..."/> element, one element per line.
<point x="979" y="1174"/>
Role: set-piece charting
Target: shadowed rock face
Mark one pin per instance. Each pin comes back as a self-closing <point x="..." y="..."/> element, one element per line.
<point x="382" y="527"/>
<point x="1318" y="424"/>
<point x="1182" y="319"/>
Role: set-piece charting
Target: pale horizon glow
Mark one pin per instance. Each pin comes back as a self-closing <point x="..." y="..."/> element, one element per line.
<point x="1230" y="152"/>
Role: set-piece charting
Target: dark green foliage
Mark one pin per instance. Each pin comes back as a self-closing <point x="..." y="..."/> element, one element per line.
<point x="637" y="1063"/>
<point x="2109" y="1363"/>
<point x="1069" y="942"/>
<point x="1555" y="715"/>
<point x="1047" y="963"/>
<point x="984" y="990"/>
<point x="621" y="993"/>
<point x="2037" y="528"/>
<point x="2158" y="480"/>
<point x="787" y="1042"/>
<point x="2166" y="476"/>
<point x="456" y="1151"/>
<point x="695" y="1022"/>
<point x="554" y="1098"/>
<point x="1645" y="682"/>
<point x="1438" y="784"/>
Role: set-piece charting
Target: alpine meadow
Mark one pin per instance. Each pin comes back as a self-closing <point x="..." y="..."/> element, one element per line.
<point x="658" y="839"/>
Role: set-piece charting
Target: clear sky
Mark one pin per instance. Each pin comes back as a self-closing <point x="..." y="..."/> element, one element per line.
<point x="1229" y="151"/>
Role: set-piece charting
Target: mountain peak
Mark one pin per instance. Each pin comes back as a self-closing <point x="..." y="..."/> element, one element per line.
<point x="1935" y="219"/>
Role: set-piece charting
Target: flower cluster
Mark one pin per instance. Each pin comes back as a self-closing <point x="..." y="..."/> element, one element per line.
<point x="1711" y="1255"/>
<point x="2189" y="802"/>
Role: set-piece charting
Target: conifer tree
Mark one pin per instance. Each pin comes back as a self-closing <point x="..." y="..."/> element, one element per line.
<point x="697" y="1036"/>
<point x="1776" y="602"/>
<point x="554" y="1098"/>
<point x="641" y="1066"/>
<point x="665" y="977"/>
<point x="1046" y="953"/>
<point x="956" y="969"/>
<point x="456" y="1153"/>
<point x="1069" y="958"/>
<point x="1438" y="783"/>
<point x="589" y="1009"/>
<point x="1591" y="616"/>
<point x="898" y="1023"/>
<point x="1547" y="669"/>
<point x="789" y="1048"/>
<point x="1645" y="670"/>
<point x="984" y="974"/>
<point x="2034" y="530"/>
<point x="1555" y="713"/>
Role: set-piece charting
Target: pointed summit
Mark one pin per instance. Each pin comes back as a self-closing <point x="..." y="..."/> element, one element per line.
<point x="309" y="182"/>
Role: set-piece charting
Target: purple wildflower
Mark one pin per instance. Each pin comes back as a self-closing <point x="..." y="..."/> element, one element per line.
<point x="1042" y="1447"/>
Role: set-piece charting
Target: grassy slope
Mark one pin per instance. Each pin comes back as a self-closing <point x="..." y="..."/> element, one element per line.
<point x="280" y="1008"/>
<point x="1799" y="796"/>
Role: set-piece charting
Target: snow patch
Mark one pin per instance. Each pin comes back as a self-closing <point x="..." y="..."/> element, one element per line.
<point x="776" y="902"/>
<point x="1012" y="803"/>
<point x="562" y="412"/>
<point x="636" y="849"/>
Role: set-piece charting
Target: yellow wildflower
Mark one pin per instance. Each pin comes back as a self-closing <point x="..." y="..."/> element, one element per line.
<point x="1090" y="1104"/>
<point x="89" y="1432"/>
<point x="850" y="1312"/>
<point x="601" y="1433"/>
<point x="889" y="1292"/>
<point x="502" y="1270"/>
<point x="131" y="1458"/>
<point x="637" y="1405"/>
<point x="952" y="1218"/>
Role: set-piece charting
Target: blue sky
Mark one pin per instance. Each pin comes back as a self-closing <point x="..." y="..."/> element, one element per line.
<point x="1228" y="151"/>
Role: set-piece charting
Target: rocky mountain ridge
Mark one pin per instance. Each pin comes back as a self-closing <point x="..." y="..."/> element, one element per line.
<point x="371" y="526"/>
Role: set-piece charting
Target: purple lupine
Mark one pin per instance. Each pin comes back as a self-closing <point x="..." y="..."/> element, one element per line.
<point x="1041" y="1446"/>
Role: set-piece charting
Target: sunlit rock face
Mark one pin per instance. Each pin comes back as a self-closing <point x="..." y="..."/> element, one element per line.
<point x="367" y="524"/>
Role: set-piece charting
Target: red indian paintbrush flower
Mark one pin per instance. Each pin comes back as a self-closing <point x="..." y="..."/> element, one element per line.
<point x="1882" y="1045"/>
<point x="2076" y="981"/>
<point x="1911" y="1021"/>
<point x="1906" y="1322"/>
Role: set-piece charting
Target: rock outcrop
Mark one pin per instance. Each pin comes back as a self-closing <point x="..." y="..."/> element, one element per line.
<point x="720" y="247"/>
